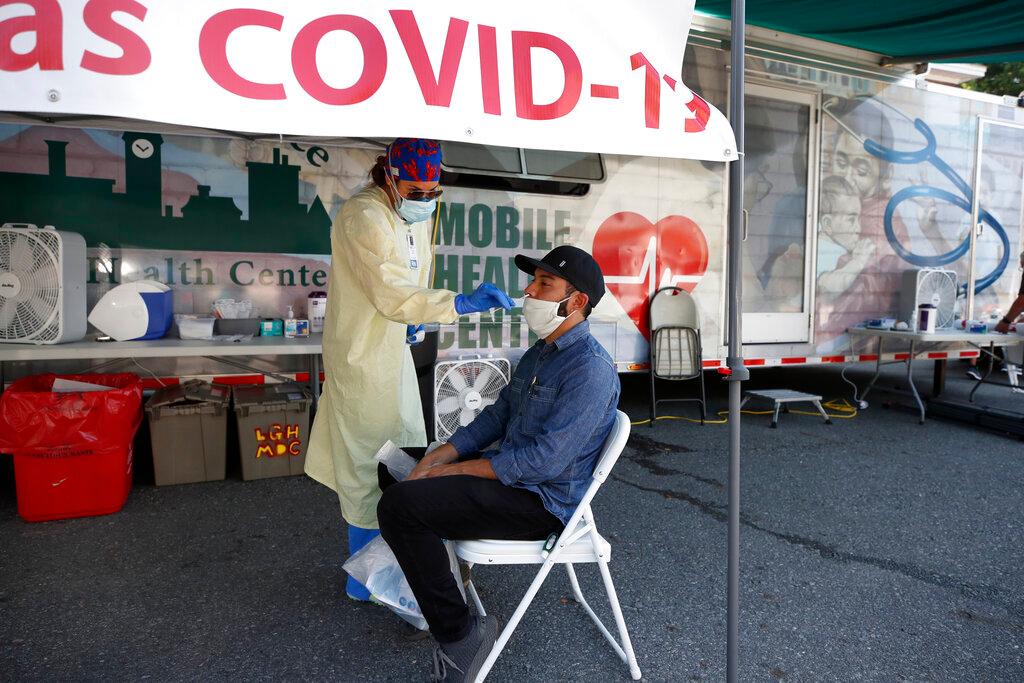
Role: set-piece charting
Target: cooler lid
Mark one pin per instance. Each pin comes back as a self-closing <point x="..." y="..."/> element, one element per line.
<point x="192" y="391"/>
<point x="259" y="394"/>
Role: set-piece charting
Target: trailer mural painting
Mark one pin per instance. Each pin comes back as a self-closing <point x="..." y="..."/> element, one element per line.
<point x="642" y="236"/>
<point x="893" y="186"/>
<point x="896" y="194"/>
<point x="849" y="183"/>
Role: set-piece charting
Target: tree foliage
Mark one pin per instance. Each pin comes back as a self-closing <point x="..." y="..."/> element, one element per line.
<point x="1000" y="79"/>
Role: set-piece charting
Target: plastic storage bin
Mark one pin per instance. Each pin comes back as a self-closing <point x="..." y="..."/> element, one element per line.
<point x="72" y="450"/>
<point x="249" y="326"/>
<point x="194" y="326"/>
<point x="273" y="429"/>
<point x="188" y="426"/>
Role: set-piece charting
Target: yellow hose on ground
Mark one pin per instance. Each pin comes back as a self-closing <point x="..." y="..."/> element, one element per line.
<point x="842" y="410"/>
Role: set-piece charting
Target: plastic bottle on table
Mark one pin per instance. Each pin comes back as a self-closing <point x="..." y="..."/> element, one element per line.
<point x="317" y="311"/>
<point x="290" y="324"/>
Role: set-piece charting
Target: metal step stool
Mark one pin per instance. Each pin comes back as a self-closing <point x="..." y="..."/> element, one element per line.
<point x="781" y="398"/>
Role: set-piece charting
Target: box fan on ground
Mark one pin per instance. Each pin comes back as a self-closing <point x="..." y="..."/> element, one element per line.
<point x="463" y="388"/>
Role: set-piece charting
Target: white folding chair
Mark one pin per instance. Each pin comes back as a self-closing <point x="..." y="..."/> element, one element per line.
<point x="578" y="543"/>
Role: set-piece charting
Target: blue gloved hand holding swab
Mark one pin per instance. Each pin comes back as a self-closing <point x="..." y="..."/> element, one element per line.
<point x="484" y="298"/>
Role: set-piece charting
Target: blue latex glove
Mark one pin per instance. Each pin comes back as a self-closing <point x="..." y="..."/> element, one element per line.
<point x="484" y="298"/>
<point x="410" y="334"/>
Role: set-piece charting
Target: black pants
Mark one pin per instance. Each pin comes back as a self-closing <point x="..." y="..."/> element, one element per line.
<point x="415" y="516"/>
<point x="986" y="361"/>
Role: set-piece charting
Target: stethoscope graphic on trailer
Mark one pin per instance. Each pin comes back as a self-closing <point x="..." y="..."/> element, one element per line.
<point x="928" y="154"/>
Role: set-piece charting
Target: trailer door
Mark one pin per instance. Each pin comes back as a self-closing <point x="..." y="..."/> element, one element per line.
<point x="998" y="183"/>
<point x="780" y="170"/>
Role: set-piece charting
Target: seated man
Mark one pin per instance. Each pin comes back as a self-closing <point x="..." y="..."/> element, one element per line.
<point x="549" y="423"/>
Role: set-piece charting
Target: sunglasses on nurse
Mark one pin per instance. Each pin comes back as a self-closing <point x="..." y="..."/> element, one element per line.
<point x="417" y="195"/>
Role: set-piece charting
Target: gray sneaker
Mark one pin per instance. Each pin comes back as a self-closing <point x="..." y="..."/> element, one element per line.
<point x="462" y="660"/>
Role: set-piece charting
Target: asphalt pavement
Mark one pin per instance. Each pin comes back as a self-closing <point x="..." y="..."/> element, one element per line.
<point x="873" y="549"/>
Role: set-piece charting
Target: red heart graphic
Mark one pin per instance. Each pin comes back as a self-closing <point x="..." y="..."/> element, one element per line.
<point x="638" y="257"/>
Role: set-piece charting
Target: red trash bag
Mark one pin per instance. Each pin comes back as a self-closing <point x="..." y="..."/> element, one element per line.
<point x="72" y="451"/>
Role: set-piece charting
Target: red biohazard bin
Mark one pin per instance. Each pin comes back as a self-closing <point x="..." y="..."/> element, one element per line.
<point x="72" y="450"/>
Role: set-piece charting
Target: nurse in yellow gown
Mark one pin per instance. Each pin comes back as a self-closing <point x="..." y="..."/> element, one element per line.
<point x="379" y="285"/>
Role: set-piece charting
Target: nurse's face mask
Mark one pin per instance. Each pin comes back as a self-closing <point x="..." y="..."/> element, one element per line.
<point x="416" y="204"/>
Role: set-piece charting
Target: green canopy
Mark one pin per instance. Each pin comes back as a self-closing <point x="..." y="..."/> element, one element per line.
<point x="983" y="31"/>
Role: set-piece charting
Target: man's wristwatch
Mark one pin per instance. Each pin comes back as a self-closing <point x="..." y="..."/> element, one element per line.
<point x="1006" y="321"/>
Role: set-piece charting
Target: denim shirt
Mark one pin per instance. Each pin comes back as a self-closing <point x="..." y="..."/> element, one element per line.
<point x="551" y="421"/>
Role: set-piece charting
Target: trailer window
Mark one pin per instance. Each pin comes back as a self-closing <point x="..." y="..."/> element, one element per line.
<point x="579" y="165"/>
<point x="463" y="156"/>
<point x="520" y="170"/>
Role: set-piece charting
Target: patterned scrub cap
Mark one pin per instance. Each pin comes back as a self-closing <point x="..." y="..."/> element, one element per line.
<point x="415" y="159"/>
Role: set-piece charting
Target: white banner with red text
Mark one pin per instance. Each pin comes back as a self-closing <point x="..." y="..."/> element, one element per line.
<point x="568" y="75"/>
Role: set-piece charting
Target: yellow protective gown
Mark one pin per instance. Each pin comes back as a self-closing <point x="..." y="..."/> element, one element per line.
<point x="370" y="394"/>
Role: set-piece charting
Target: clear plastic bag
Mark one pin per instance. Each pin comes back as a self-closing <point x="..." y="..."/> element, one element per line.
<point x="376" y="567"/>
<point x="399" y="463"/>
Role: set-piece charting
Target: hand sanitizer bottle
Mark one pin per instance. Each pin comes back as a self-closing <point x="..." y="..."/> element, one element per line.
<point x="291" y="326"/>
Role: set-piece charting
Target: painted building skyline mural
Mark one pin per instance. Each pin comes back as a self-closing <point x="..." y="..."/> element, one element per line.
<point x="211" y="217"/>
<point x="138" y="217"/>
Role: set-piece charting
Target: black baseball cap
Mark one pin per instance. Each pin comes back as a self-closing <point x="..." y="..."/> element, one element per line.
<point x="569" y="263"/>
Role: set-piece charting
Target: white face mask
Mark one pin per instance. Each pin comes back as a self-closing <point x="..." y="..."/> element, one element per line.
<point x="414" y="210"/>
<point x="542" y="316"/>
<point x="411" y="210"/>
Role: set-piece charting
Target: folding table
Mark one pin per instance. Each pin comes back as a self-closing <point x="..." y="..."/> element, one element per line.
<point x="922" y="343"/>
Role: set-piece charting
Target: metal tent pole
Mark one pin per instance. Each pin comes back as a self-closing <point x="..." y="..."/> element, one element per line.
<point x="975" y="219"/>
<point x="737" y="371"/>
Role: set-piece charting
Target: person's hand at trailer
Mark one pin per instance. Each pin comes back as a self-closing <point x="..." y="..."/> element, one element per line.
<point x="1016" y="308"/>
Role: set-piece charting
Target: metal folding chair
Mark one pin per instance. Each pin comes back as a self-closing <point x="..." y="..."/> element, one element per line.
<point x="675" y="349"/>
<point x="578" y="543"/>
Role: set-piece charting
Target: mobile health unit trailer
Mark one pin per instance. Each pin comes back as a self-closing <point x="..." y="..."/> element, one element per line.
<point x="854" y="173"/>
